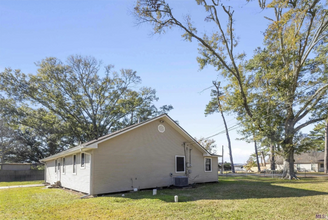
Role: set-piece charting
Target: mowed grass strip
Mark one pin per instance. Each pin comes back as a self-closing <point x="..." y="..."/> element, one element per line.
<point x="233" y="198"/>
<point x="21" y="183"/>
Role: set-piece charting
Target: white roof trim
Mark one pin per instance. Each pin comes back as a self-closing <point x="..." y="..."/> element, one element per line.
<point x="206" y="153"/>
<point x="200" y="146"/>
<point x="154" y="119"/>
<point x="69" y="152"/>
<point x="96" y="143"/>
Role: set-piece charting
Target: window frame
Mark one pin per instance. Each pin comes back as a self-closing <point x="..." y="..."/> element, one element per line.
<point x="82" y="166"/>
<point x="56" y="166"/>
<point x="64" y="163"/>
<point x="74" y="163"/>
<point x="211" y="164"/>
<point x="176" y="164"/>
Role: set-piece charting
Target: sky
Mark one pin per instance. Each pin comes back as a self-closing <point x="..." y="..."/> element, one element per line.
<point x="107" y="30"/>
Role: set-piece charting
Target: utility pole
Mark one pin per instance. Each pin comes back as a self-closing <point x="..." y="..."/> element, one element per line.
<point x="257" y="158"/>
<point x="222" y="165"/>
<point x="326" y="149"/>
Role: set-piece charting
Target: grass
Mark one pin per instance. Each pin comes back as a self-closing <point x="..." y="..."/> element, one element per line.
<point x="239" y="197"/>
<point x="21" y="183"/>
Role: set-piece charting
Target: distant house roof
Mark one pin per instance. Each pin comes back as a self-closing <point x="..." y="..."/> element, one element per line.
<point x="94" y="143"/>
<point x="309" y="157"/>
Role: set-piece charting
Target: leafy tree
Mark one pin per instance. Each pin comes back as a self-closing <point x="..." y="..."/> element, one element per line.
<point x="318" y="139"/>
<point x="208" y="144"/>
<point x="65" y="104"/>
<point x="293" y="63"/>
<point x="215" y="106"/>
<point x="7" y="140"/>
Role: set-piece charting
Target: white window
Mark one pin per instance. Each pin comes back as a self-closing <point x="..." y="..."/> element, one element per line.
<point x="74" y="163"/>
<point x="313" y="167"/>
<point x="82" y="160"/>
<point x="64" y="165"/>
<point x="208" y="164"/>
<point x="179" y="164"/>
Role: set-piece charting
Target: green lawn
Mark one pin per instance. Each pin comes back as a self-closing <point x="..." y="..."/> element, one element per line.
<point x="239" y="197"/>
<point x="21" y="183"/>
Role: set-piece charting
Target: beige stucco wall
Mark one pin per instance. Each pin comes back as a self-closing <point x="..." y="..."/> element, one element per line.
<point x="79" y="181"/>
<point x="145" y="158"/>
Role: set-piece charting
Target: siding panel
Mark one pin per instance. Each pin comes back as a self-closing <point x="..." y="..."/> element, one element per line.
<point x="145" y="158"/>
<point x="79" y="181"/>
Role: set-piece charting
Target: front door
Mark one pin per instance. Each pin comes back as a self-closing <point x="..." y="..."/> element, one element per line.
<point x="58" y="172"/>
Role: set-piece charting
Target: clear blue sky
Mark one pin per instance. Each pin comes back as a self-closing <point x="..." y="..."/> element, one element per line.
<point x="33" y="30"/>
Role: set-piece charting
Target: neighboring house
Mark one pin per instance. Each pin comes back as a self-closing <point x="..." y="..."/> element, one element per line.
<point x="144" y="155"/>
<point x="311" y="161"/>
<point x="239" y="166"/>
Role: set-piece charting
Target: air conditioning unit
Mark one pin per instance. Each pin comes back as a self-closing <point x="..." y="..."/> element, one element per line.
<point x="180" y="181"/>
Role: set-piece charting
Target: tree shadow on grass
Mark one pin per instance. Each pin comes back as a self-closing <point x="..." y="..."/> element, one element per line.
<point x="230" y="189"/>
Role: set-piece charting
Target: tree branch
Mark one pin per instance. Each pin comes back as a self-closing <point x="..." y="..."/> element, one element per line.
<point x="308" y="123"/>
<point x="319" y="93"/>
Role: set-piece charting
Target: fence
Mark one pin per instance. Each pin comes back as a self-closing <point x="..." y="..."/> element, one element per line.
<point x="21" y="175"/>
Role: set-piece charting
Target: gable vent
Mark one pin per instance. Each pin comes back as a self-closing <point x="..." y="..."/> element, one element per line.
<point x="161" y="128"/>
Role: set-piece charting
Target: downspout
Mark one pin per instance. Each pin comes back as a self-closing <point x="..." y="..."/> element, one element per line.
<point x="91" y="179"/>
<point x="185" y="154"/>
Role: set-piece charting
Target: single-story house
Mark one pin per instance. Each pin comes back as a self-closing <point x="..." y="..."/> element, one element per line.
<point x="310" y="161"/>
<point x="154" y="153"/>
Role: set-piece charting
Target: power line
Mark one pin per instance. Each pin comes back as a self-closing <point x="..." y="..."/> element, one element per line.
<point x="222" y="132"/>
<point x="220" y="127"/>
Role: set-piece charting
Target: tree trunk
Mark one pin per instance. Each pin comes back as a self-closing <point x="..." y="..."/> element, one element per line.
<point x="1" y="154"/>
<point x="288" y="147"/>
<point x="273" y="164"/>
<point x="263" y="157"/>
<point x="217" y="86"/>
<point x="288" y="169"/>
<point x="229" y="143"/>
<point x="257" y="158"/>
<point x="326" y="149"/>
<point x="2" y="149"/>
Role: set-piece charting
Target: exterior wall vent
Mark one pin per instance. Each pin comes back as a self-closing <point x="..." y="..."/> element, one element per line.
<point x="161" y="128"/>
<point x="181" y="181"/>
